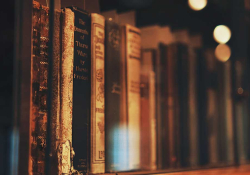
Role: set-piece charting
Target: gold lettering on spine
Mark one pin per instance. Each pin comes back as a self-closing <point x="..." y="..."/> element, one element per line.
<point x="67" y="90"/>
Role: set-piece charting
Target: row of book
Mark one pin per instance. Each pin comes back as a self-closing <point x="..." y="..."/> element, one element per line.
<point x="123" y="98"/>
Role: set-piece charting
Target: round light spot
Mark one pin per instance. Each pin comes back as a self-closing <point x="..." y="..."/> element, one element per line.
<point x="222" y="52"/>
<point x="197" y="4"/>
<point x="222" y="34"/>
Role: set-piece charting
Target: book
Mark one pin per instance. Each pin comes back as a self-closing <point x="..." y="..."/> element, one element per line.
<point x="148" y="117"/>
<point x="55" y="118"/>
<point x="81" y="89"/>
<point x="131" y="43"/>
<point x="183" y="104"/>
<point x="66" y="90"/>
<point x="97" y="134"/>
<point x="169" y="108"/>
<point x="152" y="37"/>
<point x="212" y="115"/>
<point x="113" y="151"/>
<point x="39" y="70"/>
<point x="195" y="43"/>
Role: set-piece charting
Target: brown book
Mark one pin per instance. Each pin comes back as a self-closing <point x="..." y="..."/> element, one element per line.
<point x="39" y="69"/>
<point x="148" y="114"/>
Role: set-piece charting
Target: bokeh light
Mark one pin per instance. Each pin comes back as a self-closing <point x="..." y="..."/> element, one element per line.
<point x="197" y="4"/>
<point x="222" y="52"/>
<point x="222" y="34"/>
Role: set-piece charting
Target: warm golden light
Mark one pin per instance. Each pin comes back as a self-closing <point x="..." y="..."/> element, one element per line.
<point x="222" y="52"/>
<point x="197" y="4"/>
<point x="222" y="34"/>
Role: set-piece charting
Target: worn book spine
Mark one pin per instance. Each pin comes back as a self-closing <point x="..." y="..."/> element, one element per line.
<point x="97" y="137"/>
<point x="35" y="85"/>
<point x="66" y="90"/>
<point x="39" y="87"/>
<point x="55" y="120"/>
<point x="112" y="96"/>
<point x="81" y="90"/>
<point x="132" y="73"/>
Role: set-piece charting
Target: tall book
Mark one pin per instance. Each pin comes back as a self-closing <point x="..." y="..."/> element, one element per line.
<point x="113" y="97"/>
<point x="81" y="89"/>
<point x="66" y="91"/>
<point x="131" y="38"/>
<point x="39" y="69"/>
<point x="169" y="108"/>
<point x="151" y="37"/>
<point x="55" y="118"/>
<point x="195" y="43"/>
<point x="212" y="118"/>
<point x="97" y="134"/>
<point x="148" y="117"/>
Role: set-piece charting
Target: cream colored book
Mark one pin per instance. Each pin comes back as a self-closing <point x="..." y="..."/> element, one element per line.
<point x="97" y="154"/>
<point x="131" y="78"/>
<point x="66" y="91"/>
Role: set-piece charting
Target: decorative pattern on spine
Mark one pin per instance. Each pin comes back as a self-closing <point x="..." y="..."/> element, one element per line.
<point x="97" y="164"/>
<point x="38" y="118"/>
<point x="66" y="90"/>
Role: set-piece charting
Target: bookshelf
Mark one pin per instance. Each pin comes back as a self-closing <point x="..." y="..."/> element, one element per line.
<point x="22" y="88"/>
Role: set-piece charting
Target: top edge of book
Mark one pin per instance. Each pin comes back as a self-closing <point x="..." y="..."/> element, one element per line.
<point x="74" y="8"/>
<point x="130" y="27"/>
<point x="97" y="15"/>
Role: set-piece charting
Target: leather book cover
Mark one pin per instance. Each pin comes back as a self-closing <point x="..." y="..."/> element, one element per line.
<point x="39" y="69"/>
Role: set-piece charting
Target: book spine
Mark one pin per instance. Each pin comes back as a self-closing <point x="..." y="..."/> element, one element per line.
<point x="97" y="164"/>
<point x="112" y="96"/>
<point x="193" y="111"/>
<point x="132" y="63"/>
<point x="39" y="87"/>
<point x="228" y="112"/>
<point x="148" y="118"/>
<point x="35" y="85"/>
<point x="145" y="123"/>
<point x="183" y="88"/>
<point x="158" y="107"/>
<point x="152" y="120"/>
<point x="55" y="120"/>
<point x="66" y="90"/>
<point x="81" y="90"/>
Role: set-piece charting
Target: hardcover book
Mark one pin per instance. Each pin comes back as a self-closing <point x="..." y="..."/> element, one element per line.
<point x="131" y="74"/>
<point x="66" y="89"/>
<point x="39" y="69"/>
<point x="113" y="97"/>
<point x="148" y="117"/>
<point x="81" y="89"/>
<point x="97" y="136"/>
